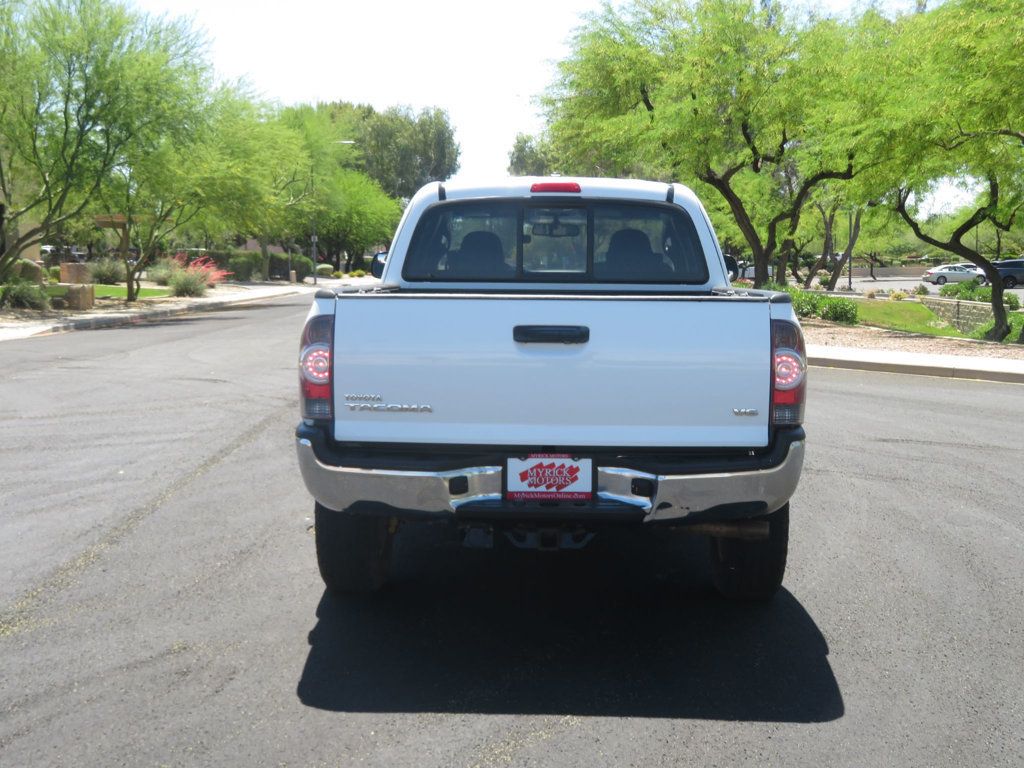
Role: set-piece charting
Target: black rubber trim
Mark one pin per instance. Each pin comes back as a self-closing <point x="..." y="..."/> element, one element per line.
<point x="325" y="293"/>
<point x="551" y="334"/>
<point x="440" y="458"/>
<point x="441" y="194"/>
<point x="670" y="196"/>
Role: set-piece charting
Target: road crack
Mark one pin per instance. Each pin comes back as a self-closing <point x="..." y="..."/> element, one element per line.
<point x="22" y="616"/>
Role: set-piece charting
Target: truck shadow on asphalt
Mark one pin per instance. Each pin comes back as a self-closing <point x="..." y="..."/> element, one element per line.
<point x="629" y="627"/>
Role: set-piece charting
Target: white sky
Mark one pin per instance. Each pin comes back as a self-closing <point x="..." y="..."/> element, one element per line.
<point x="484" y="62"/>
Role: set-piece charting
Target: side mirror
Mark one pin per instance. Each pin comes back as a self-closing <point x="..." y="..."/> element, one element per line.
<point x="732" y="267"/>
<point x="377" y="264"/>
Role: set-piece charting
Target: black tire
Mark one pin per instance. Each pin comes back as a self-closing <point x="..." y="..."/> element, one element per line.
<point x="940" y="280"/>
<point x="745" y="569"/>
<point x="353" y="551"/>
<point x="1009" y="281"/>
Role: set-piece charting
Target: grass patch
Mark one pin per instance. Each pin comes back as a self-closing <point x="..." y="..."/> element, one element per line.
<point x="110" y="291"/>
<point x="906" y="316"/>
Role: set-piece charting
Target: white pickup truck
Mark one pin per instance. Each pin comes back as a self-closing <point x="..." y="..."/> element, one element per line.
<point x="546" y="359"/>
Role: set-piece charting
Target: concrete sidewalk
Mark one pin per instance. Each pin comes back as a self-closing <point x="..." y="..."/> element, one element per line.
<point x="949" y="366"/>
<point x="150" y="311"/>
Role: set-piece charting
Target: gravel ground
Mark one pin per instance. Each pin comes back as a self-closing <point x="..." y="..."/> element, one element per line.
<point x="865" y="337"/>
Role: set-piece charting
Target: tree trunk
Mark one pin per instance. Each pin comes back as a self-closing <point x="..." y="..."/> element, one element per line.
<point x="847" y="254"/>
<point x="828" y="220"/>
<point x="265" y="253"/>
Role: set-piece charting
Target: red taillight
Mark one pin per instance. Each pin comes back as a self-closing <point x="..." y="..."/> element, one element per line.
<point x="789" y="374"/>
<point x="316" y="368"/>
<point x="556" y="186"/>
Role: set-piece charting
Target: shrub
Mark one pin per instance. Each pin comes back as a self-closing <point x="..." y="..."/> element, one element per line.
<point x="106" y="271"/>
<point x="24" y="295"/>
<point x="28" y="270"/>
<point x="921" y="289"/>
<point x="897" y="296"/>
<point x="246" y="265"/>
<point x="204" y="266"/>
<point x="188" y="282"/>
<point x="337" y="274"/>
<point x="357" y="273"/>
<point x="160" y="272"/>
<point x="870" y="294"/>
<point x="807" y="304"/>
<point x="303" y="266"/>
<point x="839" y="310"/>
<point x="1010" y="301"/>
<point x="54" y="274"/>
<point x="324" y="270"/>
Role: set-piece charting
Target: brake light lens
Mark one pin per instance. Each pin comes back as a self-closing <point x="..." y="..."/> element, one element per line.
<point x="556" y="186"/>
<point x="316" y="368"/>
<point x="789" y="374"/>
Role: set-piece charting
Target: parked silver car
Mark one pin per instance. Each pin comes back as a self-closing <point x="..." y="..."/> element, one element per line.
<point x="952" y="273"/>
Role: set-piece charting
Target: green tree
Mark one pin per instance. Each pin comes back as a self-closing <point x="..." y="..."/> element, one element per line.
<point x="962" y="63"/>
<point x="531" y="156"/>
<point x="403" y="150"/>
<point x="720" y="94"/>
<point x="80" y="82"/>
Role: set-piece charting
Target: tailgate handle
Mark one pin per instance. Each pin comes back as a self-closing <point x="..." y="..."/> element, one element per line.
<point x="551" y="334"/>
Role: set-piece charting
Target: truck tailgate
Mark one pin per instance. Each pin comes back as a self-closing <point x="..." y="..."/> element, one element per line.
<point x="655" y="371"/>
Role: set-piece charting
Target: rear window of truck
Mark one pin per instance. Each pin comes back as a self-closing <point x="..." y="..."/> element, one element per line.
<point x="574" y="242"/>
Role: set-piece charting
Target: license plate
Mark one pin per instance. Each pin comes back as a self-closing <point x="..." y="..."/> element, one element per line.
<point x="549" y="477"/>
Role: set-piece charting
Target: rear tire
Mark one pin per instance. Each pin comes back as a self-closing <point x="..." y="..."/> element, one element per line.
<point x="353" y="551"/>
<point x="1009" y="282"/>
<point x="940" y="280"/>
<point x="745" y="569"/>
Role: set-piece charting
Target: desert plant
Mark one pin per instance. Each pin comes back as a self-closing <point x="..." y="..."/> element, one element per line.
<point x="188" y="282"/>
<point x="54" y="274"/>
<point x="23" y="295"/>
<point x="204" y="266"/>
<point x="921" y="289"/>
<point x="324" y="270"/>
<point x="160" y="272"/>
<point x="106" y="271"/>
<point x="897" y="296"/>
<point x="870" y="294"/>
<point x="357" y="273"/>
<point x="838" y="310"/>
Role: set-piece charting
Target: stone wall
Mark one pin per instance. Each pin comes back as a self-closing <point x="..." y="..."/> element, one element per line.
<point x="965" y="316"/>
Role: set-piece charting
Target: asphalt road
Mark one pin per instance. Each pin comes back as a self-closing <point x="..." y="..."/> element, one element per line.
<point x="160" y="605"/>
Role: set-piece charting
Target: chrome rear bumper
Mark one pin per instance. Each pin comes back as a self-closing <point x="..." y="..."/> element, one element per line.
<point x="675" y="496"/>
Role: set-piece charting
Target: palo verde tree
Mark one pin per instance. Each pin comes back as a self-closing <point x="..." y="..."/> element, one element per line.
<point x="722" y="93"/>
<point x="346" y="208"/>
<point x="80" y="82"/>
<point x="961" y="64"/>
